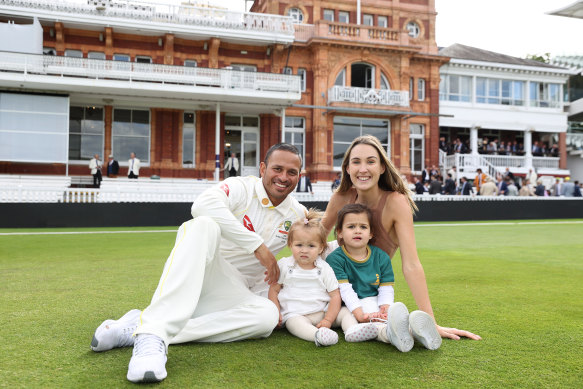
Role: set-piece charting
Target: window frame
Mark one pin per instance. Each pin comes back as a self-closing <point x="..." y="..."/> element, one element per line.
<point x="142" y="58"/>
<point x="291" y="129"/>
<point x="328" y="12"/>
<point x="386" y="21"/>
<point x="386" y="146"/>
<point x="102" y="135"/>
<point x="342" y="14"/>
<point x="184" y="124"/>
<point x="91" y="55"/>
<point x="421" y="89"/>
<point x="370" y="20"/>
<point x="190" y="61"/>
<point x="303" y="73"/>
<point x="412" y="138"/>
<point x="413" y="29"/>
<point x="123" y="162"/>
<point x="78" y="53"/>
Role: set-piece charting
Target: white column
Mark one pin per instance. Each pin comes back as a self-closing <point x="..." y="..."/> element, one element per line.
<point x="528" y="148"/>
<point x="217" y="141"/>
<point x="357" y="11"/>
<point x="474" y="140"/>
<point x="282" y="125"/>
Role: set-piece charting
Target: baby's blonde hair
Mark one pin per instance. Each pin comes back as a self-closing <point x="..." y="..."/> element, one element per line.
<point x="313" y="222"/>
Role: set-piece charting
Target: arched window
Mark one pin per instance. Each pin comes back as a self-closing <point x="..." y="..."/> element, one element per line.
<point x="385" y="82"/>
<point x="341" y="78"/>
<point x="296" y="14"/>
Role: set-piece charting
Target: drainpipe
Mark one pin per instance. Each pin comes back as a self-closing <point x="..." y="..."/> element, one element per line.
<point x="217" y="141"/>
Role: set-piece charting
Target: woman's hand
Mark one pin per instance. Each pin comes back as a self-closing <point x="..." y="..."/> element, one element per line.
<point x="454" y="333"/>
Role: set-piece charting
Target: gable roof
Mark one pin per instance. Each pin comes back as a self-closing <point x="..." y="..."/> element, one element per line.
<point x="460" y="51"/>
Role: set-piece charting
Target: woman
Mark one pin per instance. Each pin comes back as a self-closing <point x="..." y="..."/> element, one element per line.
<point x="368" y="177"/>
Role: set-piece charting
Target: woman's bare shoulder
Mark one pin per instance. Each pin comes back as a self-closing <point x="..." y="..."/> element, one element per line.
<point x="398" y="204"/>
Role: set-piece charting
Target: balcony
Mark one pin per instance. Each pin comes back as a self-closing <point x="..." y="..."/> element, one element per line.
<point x="345" y="32"/>
<point x="30" y="71"/>
<point x="183" y="20"/>
<point x="356" y="95"/>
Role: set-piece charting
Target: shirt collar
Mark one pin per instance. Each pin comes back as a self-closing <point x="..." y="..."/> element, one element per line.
<point x="265" y="202"/>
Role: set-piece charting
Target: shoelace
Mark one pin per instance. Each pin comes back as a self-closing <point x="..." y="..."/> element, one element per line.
<point x="125" y="338"/>
<point x="149" y="345"/>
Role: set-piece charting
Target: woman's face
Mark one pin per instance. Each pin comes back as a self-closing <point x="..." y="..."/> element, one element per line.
<point x="364" y="167"/>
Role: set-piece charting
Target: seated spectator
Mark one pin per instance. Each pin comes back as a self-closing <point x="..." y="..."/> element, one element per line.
<point x="493" y="147"/>
<point x="527" y="189"/>
<point x="520" y="149"/>
<point x="512" y="189"/>
<point x="488" y="188"/>
<point x="449" y="186"/>
<point x="540" y="189"/>
<point x="536" y="149"/>
<point x="554" y="151"/>
<point x="435" y="186"/>
<point x="465" y="188"/>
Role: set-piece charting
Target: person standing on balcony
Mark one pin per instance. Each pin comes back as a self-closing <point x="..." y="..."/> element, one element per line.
<point x="95" y="166"/>
<point x="370" y="178"/>
<point x="112" y="167"/>
<point x="479" y="180"/>
<point x="133" y="166"/>
<point x="232" y="165"/>
<point x="554" y="151"/>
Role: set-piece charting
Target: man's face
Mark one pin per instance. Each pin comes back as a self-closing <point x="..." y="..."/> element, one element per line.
<point x="281" y="175"/>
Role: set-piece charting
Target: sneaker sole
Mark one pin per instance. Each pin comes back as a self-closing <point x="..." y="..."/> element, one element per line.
<point x="148" y="377"/>
<point x="398" y="327"/>
<point x="364" y="332"/>
<point x="424" y="330"/>
<point x="326" y="338"/>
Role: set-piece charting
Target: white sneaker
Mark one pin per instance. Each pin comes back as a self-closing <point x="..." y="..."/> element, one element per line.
<point x="424" y="330"/>
<point x="361" y="332"/>
<point x="398" y="327"/>
<point x="325" y="337"/>
<point x="148" y="363"/>
<point x="116" y="333"/>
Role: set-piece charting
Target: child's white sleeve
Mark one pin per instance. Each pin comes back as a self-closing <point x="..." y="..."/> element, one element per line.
<point x="349" y="296"/>
<point x="386" y="294"/>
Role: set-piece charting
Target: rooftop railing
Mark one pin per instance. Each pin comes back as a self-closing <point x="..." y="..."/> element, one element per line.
<point x="185" y="15"/>
<point x="350" y="32"/>
<point x="368" y="96"/>
<point x="143" y="72"/>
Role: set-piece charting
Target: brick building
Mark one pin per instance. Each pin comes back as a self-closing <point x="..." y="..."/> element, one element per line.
<point x="185" y="86"/>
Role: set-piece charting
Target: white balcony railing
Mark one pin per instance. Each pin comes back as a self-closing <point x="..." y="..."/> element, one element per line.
<point x="575" y="141"/>
<point x="151" y="12"/>
<point x="498" y="162"/>
<point x="368" y="96"/>
<point x="142" y="72"/>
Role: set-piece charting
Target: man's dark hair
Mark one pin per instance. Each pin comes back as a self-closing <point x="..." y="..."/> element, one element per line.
<point x="284" y="147"/>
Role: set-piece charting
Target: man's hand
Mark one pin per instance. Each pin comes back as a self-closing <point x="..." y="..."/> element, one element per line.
<point x="267" y="259"/>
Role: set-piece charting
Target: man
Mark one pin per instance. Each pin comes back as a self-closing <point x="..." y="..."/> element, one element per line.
<point x="232" y="165"/>
<point x="453" y="172"/>
<point x="568" y="188"/>
<point x="488" y="188"/>
<point x="112" y="167"/>
<point x="531" y="176"/>
<point x="465" y="187"/>
<point x="336" y="182"/>
<point x="479" y="179"/>
<point x="426" y="175"/>
<point x="95" y="166"/>
<point x="304" y="184"/>
<point x="449" y="186"/>
<point x="558" y="188"/>
<point x="419" y="189"/>
<point x="540" y="189"/>
<point x="212" y="285"/>
<point x="435" y="185"/>
<point x="133" y="166"/>
<point x="502" y="186"/>
<point x="512" y="189"/>
<point x="577" y="191"/>
<point x="527" y="189"/>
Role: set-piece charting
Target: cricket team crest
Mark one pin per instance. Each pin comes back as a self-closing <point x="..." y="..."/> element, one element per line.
<point x="284" y="227"/>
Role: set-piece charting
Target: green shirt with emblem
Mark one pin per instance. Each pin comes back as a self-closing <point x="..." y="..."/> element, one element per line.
<point x="365" y="275"/>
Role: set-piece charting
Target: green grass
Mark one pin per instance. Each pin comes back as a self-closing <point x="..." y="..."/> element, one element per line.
<point x="520" y="286"/>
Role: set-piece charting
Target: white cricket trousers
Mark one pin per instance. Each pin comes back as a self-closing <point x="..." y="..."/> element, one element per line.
<point x="201" y="297"/>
